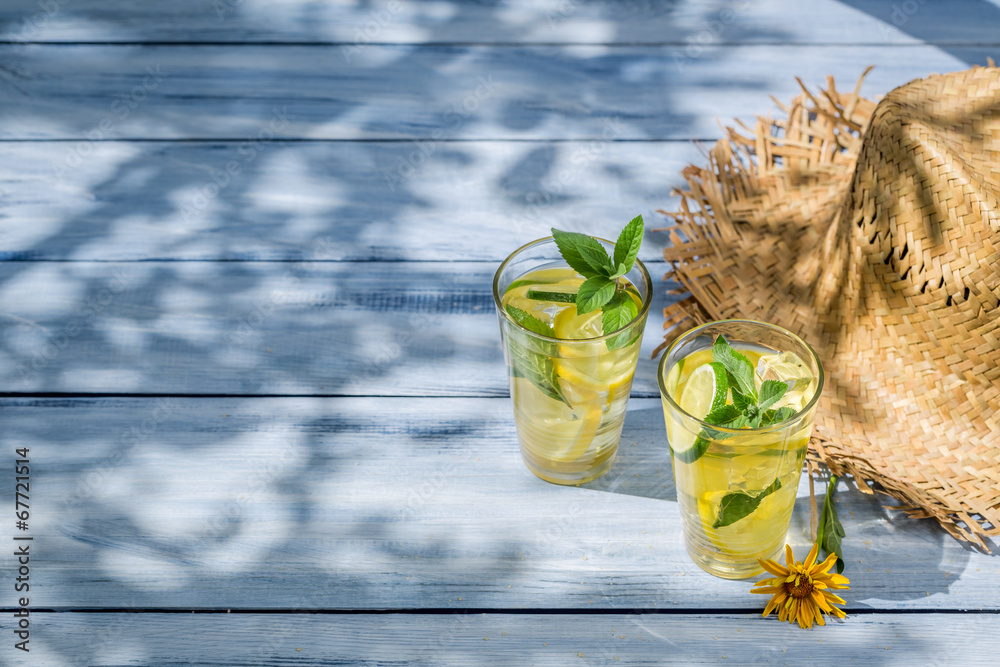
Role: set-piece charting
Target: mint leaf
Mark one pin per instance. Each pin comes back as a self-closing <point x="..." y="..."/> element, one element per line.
<point x="771" y="392"/>
<point x="594" y="293"/>
<point x="739" y="504"/>
<point x="619" y="272"/>
<point x="583" y="253"/>
<point x="534" y="365"/>
<point x="739" y="400"/>
<point x="530" y="322"/>
<point x="708" y="433"/>
<point x="723" y="415"/>
<point x="627" y="246"/>
<point x="737" y="365"/>
<point x="618" y="313"/>
<point x="772" y="417"/>
<point x="537" y="369"/>
<point x="831" y="531"/>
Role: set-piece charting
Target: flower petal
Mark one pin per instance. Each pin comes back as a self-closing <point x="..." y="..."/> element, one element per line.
<point x="789" y="557"/>
<point x="825" y="566"/>
<point x="820" y="600"/>
<point x="805" y="615"/>
<point x="773" y="568"/>
<point x="774" y="602"/>
<point x="811" y="558"/>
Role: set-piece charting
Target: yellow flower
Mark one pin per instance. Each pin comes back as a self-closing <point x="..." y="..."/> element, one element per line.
<point x="801" y="591"/>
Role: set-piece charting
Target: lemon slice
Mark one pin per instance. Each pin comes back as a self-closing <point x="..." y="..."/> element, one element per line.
<point x="580" y="432"/>
<point x="570" y="326"/>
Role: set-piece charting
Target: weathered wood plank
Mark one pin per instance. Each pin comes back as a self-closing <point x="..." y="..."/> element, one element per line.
<point x="340" y="328"/>
<point x="368" y="200"/>
<point x="369" y="503"/>
<point x="504" y="639"/>
<point x="680" y="23"/>
<point x="435" y="93"/>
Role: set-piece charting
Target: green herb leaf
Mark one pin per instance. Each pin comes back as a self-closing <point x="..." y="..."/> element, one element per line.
<point x="534" y="365"/>
<point x="738" y="366"/>
<point x="723" y="415"/>
<point x="555" y="297"/>
<point x="617" y="314"/>
<point x="735" y="424"/>
<point x="530" y="322"/>
<point x="537" y="369"/>
<point x="583" y="253"/>
<point x="771" y="392"/>
<point x="772" y="417"/>
<point x="619" y="272"/>
<point x="739" y="504"/>
<point x="627" y="246"/>
<point x="740" y="400"/>
<point x="831" y="531"/>
<point x="594" y="293"/>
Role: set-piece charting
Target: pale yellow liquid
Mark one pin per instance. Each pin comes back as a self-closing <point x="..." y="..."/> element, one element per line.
<point x="575" y="442"/>
<point x="741" y="463"/>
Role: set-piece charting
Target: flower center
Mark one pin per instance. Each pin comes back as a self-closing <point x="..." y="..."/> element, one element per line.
<point x="800" y="587"/>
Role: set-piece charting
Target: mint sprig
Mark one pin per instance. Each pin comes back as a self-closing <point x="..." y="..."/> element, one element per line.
<point x="604" y="286"/>
<point x="831" y="531"/>
<point x="748" y="409"/>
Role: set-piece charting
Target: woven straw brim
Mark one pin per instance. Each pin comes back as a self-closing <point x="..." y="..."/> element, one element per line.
<point x="873" y="232"/>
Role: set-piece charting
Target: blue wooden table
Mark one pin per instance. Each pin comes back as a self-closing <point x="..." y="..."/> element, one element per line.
<point x="248" y="343"/>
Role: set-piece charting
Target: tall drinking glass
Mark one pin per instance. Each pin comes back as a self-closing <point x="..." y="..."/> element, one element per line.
<point x="737" y="487"/>
<point x="569" y="389"/>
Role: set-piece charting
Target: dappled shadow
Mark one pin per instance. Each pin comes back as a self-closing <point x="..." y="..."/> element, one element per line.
<point x="242" y="220"/>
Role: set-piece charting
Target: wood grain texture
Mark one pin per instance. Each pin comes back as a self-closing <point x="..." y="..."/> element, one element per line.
<point x="435" y="93"/>
<point x="503" y="639"/>
<point x="377" y="503"/>
<point x="679" y="23"/>
<point x="341" y="328"/>
<point x="366" y="200"/>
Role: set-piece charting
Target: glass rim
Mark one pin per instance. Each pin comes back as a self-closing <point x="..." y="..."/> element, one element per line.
<point x="821" y="379"/>
<point x="497" y="297"/>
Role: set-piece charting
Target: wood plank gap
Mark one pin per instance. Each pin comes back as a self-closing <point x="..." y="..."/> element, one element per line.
<point x="522" y="45"/>
<point x="435" y="611"/>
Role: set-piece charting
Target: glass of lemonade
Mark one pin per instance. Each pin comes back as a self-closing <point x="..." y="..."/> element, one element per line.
<point x="737" y="486"/>
<point x="569" y="390"/>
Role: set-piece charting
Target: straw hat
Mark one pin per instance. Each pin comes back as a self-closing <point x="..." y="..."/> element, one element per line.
<point x="874" y="233"/>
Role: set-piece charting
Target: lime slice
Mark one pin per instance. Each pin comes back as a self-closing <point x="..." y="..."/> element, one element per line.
<point x="707" y="389"/>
